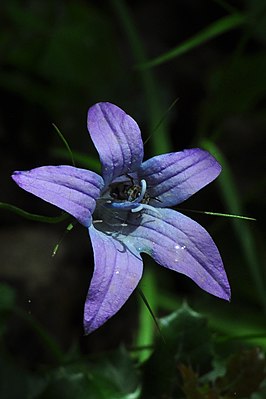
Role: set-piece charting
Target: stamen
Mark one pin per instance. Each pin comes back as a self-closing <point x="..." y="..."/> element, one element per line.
<point x="138" y="209"/>
<point x="133" y="206"/>
<point x="143" y="191"/>
<point x="145" y="206"/>
<point x="98" y="221"/>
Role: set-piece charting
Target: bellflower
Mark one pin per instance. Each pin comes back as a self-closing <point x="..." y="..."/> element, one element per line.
<point x="126" y="211"/>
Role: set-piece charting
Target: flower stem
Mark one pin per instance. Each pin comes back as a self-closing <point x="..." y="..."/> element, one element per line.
<point x="146" y="324"/>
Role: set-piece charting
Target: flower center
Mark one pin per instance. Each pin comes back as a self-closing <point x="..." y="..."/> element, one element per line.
<point x="117" y="208"/>
<point x="128" y="196"/>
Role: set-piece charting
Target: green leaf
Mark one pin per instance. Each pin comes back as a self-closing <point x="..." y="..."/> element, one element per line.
<point x="217" y="28"/>
<point x="178" y="330"/>
<point x="112" y="376"/>
<point x="187" y="340"/>
<point x="119" y="369"/>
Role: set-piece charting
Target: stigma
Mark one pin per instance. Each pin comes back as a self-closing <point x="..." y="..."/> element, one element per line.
<point x="134" y="197"/>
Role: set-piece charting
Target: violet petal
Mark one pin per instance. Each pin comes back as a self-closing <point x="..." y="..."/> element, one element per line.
<point x="117" y="139"/>
<point x="174" y="177"/>
<point x="117" y="271"/>
<point x="72" y="189"/>
<point x="179" y="243"/>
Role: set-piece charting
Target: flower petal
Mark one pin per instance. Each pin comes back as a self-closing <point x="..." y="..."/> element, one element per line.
<point x="174" y="177"/>
<point x="117" y="271"/>
<point x="179" y="243"/>
<point x="117" y="139"/>
<point x="72" y="189"/>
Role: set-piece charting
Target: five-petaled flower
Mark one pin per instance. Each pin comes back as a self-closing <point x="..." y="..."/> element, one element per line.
<point x="126" y="211"/>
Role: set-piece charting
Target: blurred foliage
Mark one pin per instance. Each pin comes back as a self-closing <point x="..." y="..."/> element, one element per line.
<point x="228" y="88"/>
<point x="187" y="362"/>
<point x="58" y="41"/>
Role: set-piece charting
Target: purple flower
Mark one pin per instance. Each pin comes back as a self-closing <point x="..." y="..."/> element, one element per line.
<point x="126" y="211"/>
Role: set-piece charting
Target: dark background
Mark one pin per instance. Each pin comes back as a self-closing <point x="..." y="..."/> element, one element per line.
<point x="59" y="58"/>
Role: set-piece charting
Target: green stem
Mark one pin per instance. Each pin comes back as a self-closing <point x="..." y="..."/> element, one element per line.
<point x="70" y="153"/>
<point x="225" y="215"/>
<point x="32" y="216"/>
<point x="146" y="322"/>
